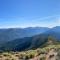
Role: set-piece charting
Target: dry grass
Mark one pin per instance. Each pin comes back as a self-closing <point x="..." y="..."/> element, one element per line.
<point x="40" y="53"/>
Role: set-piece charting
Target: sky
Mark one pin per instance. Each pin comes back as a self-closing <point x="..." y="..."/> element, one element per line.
<point x="29" y="13"/>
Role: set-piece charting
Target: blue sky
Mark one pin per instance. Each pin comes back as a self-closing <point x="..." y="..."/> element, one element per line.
<point x="29" y="13"/>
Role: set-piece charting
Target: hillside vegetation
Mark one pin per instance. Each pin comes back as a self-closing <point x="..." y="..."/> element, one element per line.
<point x="50" y="50"/>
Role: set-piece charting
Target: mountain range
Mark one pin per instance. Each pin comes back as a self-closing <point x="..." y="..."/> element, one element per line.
<point x="15" y="33"/>
<point x="35" y="38"/>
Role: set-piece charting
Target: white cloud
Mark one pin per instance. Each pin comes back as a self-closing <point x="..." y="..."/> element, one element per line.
<point x="47" y="17"/>
<point x="58" y="21"/>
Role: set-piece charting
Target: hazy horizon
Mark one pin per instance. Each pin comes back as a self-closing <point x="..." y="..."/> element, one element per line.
<point x="26" y="27"/>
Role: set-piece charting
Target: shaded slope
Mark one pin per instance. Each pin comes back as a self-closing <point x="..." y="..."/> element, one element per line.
<point x="28" y="43"/>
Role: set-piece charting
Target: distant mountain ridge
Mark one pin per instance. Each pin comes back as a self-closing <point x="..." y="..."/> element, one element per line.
<point x="54" y="32"/>
<point x="15" y="33"/>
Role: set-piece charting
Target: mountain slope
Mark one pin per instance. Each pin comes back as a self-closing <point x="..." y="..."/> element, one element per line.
<point x="28" y="43"/>
<point x="32" y="42"/>
<point x="15" y="33"/>
<point x="54" y="32"/>
<point x="24" y="43"/>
